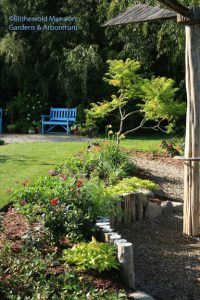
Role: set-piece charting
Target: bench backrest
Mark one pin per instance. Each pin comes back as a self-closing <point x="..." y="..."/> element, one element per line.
<point x="62" y="114"/>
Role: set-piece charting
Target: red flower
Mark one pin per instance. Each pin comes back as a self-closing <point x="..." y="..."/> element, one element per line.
<point x="79" y="183"/>
<point x="54" y="201"/>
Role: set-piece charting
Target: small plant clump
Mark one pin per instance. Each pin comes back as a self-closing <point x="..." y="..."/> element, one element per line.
<point x="92" y="256"/>
<point x="129" y="185"/>
<point x="105" y="160"/>
<point x="2" y="142"/>
<point x="173" y="147"/>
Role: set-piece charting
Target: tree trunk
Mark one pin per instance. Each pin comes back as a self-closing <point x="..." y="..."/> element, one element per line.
<point x="192" y="140"/>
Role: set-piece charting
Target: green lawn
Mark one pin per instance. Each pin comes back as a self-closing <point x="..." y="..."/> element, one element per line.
<point x="28" y="161"/>
<point x="142" y="143"/>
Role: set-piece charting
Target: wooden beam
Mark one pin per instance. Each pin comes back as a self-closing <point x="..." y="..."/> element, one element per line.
<point x="193" y="19"/>
<point x="177" y="7"/>
<point x="192" y="140"/>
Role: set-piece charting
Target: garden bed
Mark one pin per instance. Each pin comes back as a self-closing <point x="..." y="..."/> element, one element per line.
<point x="15" y="227"/>
<point x="60" y="211"/>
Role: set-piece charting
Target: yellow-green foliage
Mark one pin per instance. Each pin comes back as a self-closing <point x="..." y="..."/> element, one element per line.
<point x="92" y="256"/>
<point x="159" y="94"/>
<point x="128" y="185"/>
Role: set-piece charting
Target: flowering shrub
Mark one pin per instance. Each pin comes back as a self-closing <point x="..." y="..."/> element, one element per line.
<point x="54" y="202"/>
<point x="65" y="207"/>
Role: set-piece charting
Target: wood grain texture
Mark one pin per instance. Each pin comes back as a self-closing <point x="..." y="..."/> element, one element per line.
<point x="141" y="13"/>
<point x="192" y="140"/>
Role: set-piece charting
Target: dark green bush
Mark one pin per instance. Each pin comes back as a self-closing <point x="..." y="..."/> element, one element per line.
<point x="2" y="142"/>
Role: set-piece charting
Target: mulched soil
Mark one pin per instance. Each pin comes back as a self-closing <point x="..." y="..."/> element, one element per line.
<point x="14" y="226"/>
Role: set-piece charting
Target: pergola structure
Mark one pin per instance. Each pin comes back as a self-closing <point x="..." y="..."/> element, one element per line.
<point x="190" y="18"/>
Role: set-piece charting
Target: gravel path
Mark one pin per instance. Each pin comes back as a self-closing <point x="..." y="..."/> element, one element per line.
<point x="21" y="138"/>
<point x="167" y="172"/>
<point x="167" y="263"/>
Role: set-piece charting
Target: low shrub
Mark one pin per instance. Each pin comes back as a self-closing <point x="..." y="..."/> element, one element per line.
<point x="68" y="207"/>
<point x="128" y="185"/>
<point x="173" y="147"/>
<point x="92" y="256"/>
<point x="30" y="275"/>
<point x="106" y="161"/>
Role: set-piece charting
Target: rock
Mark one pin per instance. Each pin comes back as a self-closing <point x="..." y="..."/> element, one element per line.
<point x="145" y="201"/>
<point x="177" y="206"/>
<point x="159" y="193"/>
<point x="152" y="211"/>
<point x="138" y="295"/>
<point x="167" y="207"/>
<point x="146" y="192"/>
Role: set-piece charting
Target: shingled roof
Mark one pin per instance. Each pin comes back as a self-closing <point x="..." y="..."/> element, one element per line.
<point x="141" y="13"/>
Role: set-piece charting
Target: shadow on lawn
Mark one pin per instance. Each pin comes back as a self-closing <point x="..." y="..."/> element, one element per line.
<point x="3" y="158"/>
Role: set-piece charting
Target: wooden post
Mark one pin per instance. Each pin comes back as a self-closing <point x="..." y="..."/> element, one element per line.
<point x="125" y="256"/>
<point x="192" y="140"/>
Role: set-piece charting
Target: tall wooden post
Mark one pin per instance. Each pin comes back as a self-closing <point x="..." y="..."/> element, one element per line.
<point x="192" y="140"/>
<point x="190" y="18"/>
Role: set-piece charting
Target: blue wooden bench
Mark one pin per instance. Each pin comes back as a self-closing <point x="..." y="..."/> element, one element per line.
<point x="63" y="117"/>
<point x="1" y="119"/>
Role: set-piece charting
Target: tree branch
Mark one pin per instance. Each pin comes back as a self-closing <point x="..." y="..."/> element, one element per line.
<point x="131" y="113"/>
<point x="136" y="128"/>
<point x="141" y="126"/>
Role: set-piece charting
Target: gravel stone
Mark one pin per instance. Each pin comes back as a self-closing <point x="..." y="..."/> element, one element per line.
<point x="138" y="295"/>
<point x="146" y="192"/>
<point x="167" y="207"/>
<point x="177" y="206"/>
<point x="152" y="211"/>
